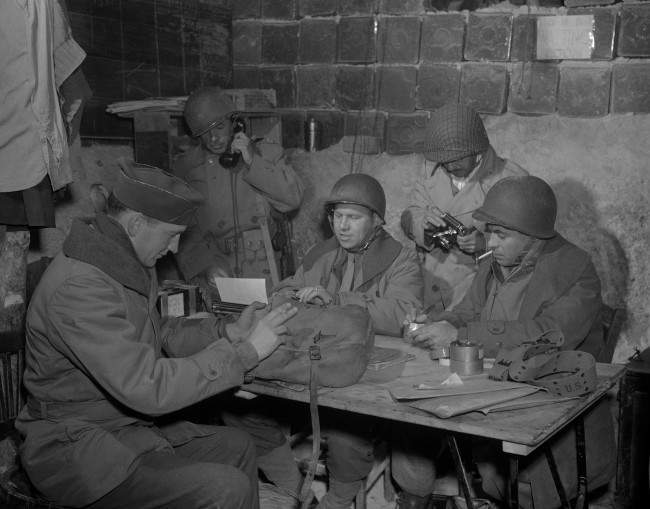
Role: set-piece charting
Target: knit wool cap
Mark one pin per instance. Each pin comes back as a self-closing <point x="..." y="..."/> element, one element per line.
<point x="156" y="193"/>
<point x="453" y="132"/>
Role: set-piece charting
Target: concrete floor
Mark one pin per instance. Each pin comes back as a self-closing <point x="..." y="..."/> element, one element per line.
<point x="375" y="498"/>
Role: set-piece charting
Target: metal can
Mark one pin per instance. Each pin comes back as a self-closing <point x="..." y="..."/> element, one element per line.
<point x="466" y="358"/>
<point x="312" y="135"/>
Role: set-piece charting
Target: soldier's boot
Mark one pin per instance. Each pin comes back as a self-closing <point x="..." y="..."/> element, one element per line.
<point x="340" y="494"/>
<point x="410" y="501"/>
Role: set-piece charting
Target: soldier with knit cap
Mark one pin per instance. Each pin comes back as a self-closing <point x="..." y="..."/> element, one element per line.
<point x="460" y="167"/>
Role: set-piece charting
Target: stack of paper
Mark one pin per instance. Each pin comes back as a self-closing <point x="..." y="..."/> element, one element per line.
<point x="446" y="397"/>
<point x="241" y="290"/>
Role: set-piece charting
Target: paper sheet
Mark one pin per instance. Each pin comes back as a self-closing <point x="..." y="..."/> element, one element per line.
<point x="565" y="37"/>
<point x="241" y="290"/>
<point x="455" y="405"/>
<point x="405" y="389"/>
<point x="533" y="400"/>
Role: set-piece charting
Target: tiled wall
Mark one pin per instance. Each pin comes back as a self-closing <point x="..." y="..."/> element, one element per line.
<point x="147" y="48"/>
<point x="335" y="59"/>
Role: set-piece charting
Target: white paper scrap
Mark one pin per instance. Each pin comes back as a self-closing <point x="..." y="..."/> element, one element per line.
<point x="452" y="380"/>
<point x="565" y="37"/>
<point x="241" y="290"/>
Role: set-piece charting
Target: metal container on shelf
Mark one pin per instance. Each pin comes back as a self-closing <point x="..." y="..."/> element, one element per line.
<point x="313" y="130"/>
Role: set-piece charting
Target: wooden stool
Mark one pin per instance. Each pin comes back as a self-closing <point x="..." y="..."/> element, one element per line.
<point x="15" y="488"/>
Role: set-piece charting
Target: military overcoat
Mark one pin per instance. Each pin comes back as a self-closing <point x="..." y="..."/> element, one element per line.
<point x="101" y="367"/>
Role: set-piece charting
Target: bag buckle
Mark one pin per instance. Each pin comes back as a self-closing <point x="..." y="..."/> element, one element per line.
<point x="314" y="353"/>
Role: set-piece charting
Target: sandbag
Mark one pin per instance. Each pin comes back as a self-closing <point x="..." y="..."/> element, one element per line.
<point x="343" y="334"/>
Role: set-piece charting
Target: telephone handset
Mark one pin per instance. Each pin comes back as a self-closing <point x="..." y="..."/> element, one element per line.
<point x="229" y="159"/>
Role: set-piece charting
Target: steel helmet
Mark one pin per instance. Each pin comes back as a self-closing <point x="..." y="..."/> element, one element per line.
<point x="358" y="189"/>
<point x="205" y="107"/>
<point x="453" y="132"/>
<point x="526" y="204"/>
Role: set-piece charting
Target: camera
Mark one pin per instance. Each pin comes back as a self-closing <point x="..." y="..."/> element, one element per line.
<point x="229" y="159"/>
<point x="445" y="237"/>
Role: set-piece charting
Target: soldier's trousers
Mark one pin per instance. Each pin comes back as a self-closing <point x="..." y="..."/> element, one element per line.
<point x="350" y="446"/>
<point x="214" y="471"/>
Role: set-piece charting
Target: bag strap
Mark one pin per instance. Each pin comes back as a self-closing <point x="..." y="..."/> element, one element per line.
<point x="314" y="357"/>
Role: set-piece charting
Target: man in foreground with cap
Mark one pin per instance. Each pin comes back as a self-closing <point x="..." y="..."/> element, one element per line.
<point x="535" y="282"/>
<point x="363" y="265"/>
<point x="460" y="168"/>
<point x="104" y="373"/>
<point x="241" y="182"/>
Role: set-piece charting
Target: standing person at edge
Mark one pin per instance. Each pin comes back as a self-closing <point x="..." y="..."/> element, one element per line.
<point x="102" y="369"/>
<point x="535" y="282"/>
<point x="227" y="240"/>
<point x="460" y="167"/>
<point x="362" y="265"/>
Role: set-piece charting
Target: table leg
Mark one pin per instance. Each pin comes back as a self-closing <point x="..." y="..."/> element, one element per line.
<point x="581" y="457"/>
<point x="564" y="501"/>
<point x="512" y="494"/>
<point x="461" y="472"/>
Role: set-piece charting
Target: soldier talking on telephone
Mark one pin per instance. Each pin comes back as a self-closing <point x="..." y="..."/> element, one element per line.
<point x="242" y="181"/>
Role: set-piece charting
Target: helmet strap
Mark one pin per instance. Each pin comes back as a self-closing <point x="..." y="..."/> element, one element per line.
<point x="369" y="240"/>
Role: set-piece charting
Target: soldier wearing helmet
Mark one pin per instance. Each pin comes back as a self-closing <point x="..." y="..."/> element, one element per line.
<point x="363" y="265"/>
<point x="534" y="281"/>
<point x="460" y="168"/>
<point x="241" y="181"/>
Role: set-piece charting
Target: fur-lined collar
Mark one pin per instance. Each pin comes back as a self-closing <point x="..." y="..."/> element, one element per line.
<point x="103" y="243"/>
<point x="381" y="253"/>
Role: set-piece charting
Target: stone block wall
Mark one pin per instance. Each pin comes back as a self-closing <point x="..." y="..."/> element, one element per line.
<point x="598" y="168"/>
<point x="595" y="156"/>
<point x="404" y="58"/>
<point x="147" y="48"/>
<point x="373" y="70"/>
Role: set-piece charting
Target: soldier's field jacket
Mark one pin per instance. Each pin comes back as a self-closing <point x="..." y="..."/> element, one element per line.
<point x="391" y="280"/>
<point x="234" y="200"/>
<point x="562" y="294"/>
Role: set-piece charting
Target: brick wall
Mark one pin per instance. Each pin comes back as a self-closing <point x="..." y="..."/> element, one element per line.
<point x="336" y="58"/>
<point x="145" y="48"/>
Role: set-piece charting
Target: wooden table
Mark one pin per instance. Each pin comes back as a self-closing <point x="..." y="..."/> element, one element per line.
<point x="520" y="432"/>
